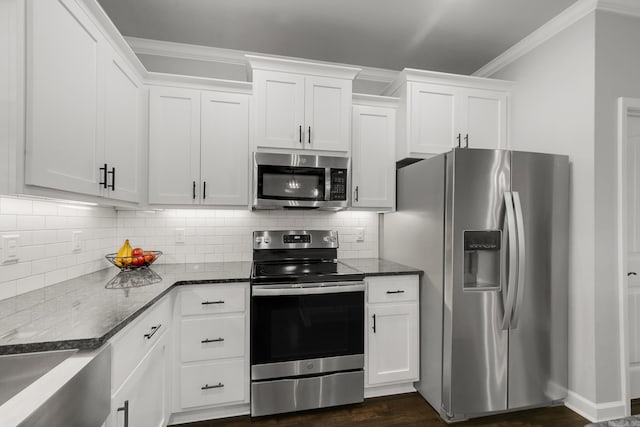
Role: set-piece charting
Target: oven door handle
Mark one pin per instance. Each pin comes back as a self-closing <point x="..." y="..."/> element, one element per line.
<point x="269" y="290"/>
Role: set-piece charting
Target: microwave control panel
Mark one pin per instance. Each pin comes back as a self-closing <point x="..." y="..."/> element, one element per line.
<point x="338" y="184"/>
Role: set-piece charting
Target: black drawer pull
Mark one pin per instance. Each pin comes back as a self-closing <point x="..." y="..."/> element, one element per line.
<point x="396" y="292"/>
<point x="374" y="323"/>
<point x="207" y="340"/>
<point x="209" y="387"/>
<point x="212" y="302"/>
<point x="153" y="331"/>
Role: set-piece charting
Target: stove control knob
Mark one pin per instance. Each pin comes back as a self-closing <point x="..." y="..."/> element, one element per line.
<point x="258" y="240"/>
<point x="267" y="239"/>
<point x="331" y="239"/>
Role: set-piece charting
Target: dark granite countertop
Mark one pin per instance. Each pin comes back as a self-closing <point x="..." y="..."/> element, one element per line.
<point x="85" y="312"/>
<point x="380" y="267"/>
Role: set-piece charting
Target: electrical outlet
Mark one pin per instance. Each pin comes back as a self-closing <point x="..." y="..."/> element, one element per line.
<point x="360" y="234"/>
<point x="76" y="241"/>
<point x="10" y="248"/>
<point x="179" y="235"/>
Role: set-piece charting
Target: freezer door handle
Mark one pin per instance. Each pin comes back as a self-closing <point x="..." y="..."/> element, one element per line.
<point x="522" y="259"/>
<point x="510" y="229"/>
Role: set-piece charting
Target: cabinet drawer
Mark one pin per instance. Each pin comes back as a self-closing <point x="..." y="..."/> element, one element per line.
<point x="212" y="338"/>
<point x="130" y="345"/>
<point x="392" y="288"/>
<point x="212" y="383"/>
<point x="212" y="299"/>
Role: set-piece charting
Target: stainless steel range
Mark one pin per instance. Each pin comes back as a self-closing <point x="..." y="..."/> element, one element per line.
<point x="307" y="323"/>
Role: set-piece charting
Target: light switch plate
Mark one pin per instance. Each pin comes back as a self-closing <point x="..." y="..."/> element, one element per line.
<point x="10" y="248"/>
<point x="76" y="241"/>
<point x="359" y="234"/>
<point x="179" y="235"/>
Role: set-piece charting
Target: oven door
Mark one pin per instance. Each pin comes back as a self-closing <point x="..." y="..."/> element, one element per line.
<point x="305" y="329"/>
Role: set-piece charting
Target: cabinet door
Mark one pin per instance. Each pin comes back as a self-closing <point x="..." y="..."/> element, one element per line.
<point x="433" y="121"/>
<point x="144" y="394"/>
<point x="393" y="343"/>
<point x="122" y="129"/>
<point x="484" y="117"/>
<point x="63" y="149"/>
<point x="279" y="109"/>
<point x="374" y="167"/>
<point x="174" y="146"/>
<point x="225" y="148"/>
<point x="327" y="113"/>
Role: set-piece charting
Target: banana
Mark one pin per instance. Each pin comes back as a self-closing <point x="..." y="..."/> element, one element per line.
<point x="123" y="257"/>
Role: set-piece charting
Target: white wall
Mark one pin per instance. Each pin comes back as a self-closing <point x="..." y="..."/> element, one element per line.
<point x="225" y="235"/>
<point x="617" y="74"/>
<point x="6" y="10"/>
<point x="553" y="111"/>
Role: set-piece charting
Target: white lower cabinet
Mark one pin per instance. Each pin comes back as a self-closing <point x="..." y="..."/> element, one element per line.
<point x="392" y="336"/>
<point x="211" y="372"/>
<point x="212" y="383"/>
<point x="141" y="368"/>
<point x="142" y="399"/>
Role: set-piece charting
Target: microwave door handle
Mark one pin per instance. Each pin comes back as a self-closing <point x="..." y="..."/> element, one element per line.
<point x="327" y="184"/>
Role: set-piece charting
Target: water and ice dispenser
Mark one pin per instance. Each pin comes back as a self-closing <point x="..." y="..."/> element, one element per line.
<point x="482" y="256"/>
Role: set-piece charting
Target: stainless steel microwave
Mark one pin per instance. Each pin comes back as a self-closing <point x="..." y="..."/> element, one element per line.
<point x="290" y="181"/>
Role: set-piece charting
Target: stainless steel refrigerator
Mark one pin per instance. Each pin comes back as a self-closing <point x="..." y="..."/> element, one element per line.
<point x="490" y="230"/>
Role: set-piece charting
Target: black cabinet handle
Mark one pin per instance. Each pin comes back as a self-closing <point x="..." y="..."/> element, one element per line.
<point x="113" y="179"/>
<point x="396" y="292"/>
<point x="104" y="176"/>
<point x="204" y="190"/>
<point x="125" y="408"/>
<point x="300" y="137"/>
<point x="374" y="323"/>
<point x="207" y="340"/>
<point x="357" y="188"/>
<point x="212" y="302"/>
<point x="153" y="331"/>
<point x="208" y="387"/>
<point x="466" y="141"/>
<point x="459" y="140"/>
<point x="632" y="273"/>
<point x="309" y="134"/>
<point x="194" y="190"/>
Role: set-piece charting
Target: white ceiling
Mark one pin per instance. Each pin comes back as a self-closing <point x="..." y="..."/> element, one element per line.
<point x="457" y="36"/>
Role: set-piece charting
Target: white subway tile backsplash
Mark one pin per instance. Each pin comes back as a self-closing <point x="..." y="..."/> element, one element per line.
<point x="16" y="206"/>
<point x="45" y="229"/>
<point x="31" y="283"/>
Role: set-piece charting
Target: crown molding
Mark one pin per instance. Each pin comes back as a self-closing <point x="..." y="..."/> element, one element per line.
<point x="624" y="7"/>
<point x="560" y="22"/>
<point x="236" y="57"/>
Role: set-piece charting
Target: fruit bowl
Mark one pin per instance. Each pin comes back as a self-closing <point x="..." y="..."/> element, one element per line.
<point x="126" y="263"/>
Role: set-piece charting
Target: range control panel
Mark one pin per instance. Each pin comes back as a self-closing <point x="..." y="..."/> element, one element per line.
<point x="338" y="184"/>
<point x="296" y="238"/>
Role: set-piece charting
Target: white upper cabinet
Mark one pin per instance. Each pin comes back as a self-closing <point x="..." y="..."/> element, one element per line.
<point x="63" y="148"/>
<point x="440" y="111"/>
<point x="224" y="149"/>
<point x="84" y="111"/>
<point x="174" y="145"/>
<point x="301" y="105"/>
<point x="279" y="101"/>
<point x="198" y="147"/>
<point x="374" y="167"/>
<point x="123" y="121"/>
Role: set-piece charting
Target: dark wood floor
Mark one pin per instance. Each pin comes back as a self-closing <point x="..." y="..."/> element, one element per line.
<point x="404" y="410"/>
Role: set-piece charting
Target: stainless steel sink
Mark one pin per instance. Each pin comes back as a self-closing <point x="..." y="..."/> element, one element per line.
<point x="67" y="388"/>
<point x="17" y="371"/>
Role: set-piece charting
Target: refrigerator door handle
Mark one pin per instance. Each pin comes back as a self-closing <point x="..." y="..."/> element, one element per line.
<point x="522" y="260"/>
<point x="510" y="229"/>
